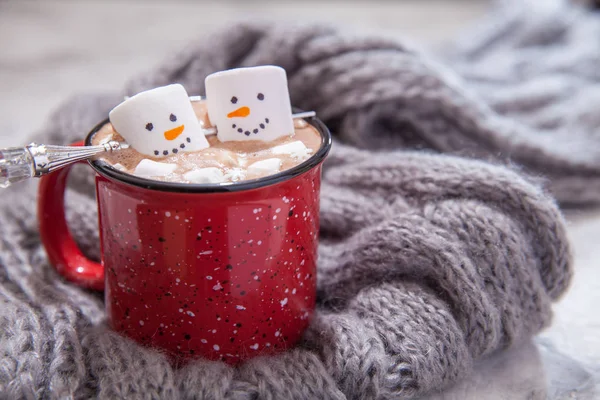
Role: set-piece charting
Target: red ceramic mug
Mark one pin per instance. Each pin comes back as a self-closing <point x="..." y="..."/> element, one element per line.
<point x="221" y="271"/>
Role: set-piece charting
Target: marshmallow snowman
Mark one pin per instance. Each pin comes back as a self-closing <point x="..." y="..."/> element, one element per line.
<point x="249" y="104"/>
<point x="159" y="122"/>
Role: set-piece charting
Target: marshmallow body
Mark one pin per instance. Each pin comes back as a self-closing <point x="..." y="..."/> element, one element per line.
<point x="159" y="122"/>
<point x="235" y="174"/>
<point x="148" y="168"/>
<point x="269" y="166"/>
<point x="205" y="175"/>
<point x="249" y="104"/>
<point x="296" y="150"/>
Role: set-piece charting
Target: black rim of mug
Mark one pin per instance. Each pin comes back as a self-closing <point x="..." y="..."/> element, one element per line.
<point x="106" y="170"/>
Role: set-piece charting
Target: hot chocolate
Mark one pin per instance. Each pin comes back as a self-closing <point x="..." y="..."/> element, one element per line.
<point x="229" y="161"/>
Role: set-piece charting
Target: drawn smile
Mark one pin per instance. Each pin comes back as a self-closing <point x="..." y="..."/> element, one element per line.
<point x="249" y="132"/>
<point x="174" y="150"/>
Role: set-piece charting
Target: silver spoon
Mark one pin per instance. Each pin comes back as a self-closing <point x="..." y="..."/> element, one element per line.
<point x="35" y="160"/>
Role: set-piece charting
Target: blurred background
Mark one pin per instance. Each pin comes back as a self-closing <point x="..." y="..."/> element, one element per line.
<point x="53" y="49"/>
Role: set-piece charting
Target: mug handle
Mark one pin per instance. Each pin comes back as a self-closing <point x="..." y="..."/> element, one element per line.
<point x="63" y="252"/>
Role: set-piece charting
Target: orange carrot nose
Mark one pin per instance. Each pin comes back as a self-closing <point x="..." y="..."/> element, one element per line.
<point x="240" y="112"/>
<point x="172" y="134"/>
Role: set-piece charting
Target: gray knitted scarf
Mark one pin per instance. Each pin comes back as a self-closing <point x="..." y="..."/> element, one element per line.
<point x="428" y="262"/>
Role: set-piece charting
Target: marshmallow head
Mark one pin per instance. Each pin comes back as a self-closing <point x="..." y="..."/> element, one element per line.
<point x="249" y="104"/>
<point x="159" y="122"/>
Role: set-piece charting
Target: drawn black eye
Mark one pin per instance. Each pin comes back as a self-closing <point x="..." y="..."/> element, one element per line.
<point x="234" y="99"/>
<point x="173" y="118"/>
<point x="149" y="126"/>
<point x="260" y="96"/>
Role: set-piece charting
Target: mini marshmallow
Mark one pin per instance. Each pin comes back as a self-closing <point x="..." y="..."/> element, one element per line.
<point x="249" y="104"/>
<point x="295" y="149"/>
<point x="205" y="175"/>
<point x="235" y="174"/>
<point x="265" y="167"/>
<point x="148" y="168"/>
<point x="119" y="166"/>
<point x="159" y="122"/>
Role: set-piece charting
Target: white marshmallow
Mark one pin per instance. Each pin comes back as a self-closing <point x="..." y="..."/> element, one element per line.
<point x="119" y="166"/>
<point x="235" y="174"/>
<point x="265" y="167"/>
<point x="295" y="149"/>
<point x="249" y="104"/>
<point x="205" y="175"/>
<point x="148" y="168"/>
<point x="159" y="122"/>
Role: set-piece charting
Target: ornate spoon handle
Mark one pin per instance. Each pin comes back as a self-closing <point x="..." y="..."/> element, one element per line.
<point x="21" y="163"/>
